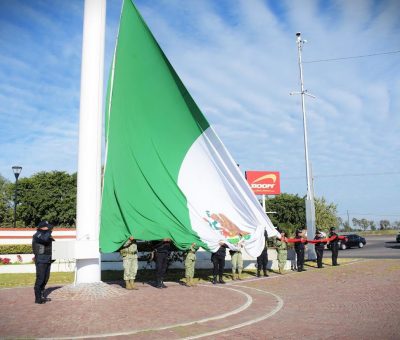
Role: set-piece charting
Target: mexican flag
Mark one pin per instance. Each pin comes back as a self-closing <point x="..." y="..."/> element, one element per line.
<point x="167" y="174"/>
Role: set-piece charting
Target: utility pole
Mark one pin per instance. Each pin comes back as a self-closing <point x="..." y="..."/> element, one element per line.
<point x="310" y="207"/>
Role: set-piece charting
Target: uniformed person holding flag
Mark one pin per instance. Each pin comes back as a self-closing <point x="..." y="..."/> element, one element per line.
<point x="129" y="255"/>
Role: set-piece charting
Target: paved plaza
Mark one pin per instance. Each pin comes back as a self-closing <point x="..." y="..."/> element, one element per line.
<point x="357" y="300"/>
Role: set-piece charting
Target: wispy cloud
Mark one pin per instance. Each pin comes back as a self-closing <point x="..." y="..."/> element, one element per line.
<point x="239" y="61"/>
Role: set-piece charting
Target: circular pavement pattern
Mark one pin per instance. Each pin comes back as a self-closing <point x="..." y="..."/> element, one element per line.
<point x="176" y="312"/>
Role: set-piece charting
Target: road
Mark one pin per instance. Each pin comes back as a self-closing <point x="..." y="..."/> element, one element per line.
<point x="377" y="247"/>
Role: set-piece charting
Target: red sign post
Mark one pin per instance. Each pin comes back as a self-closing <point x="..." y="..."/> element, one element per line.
<point x="264" y="182"/>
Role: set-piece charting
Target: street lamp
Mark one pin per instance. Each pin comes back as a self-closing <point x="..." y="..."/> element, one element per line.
<point x="16" y="170"/>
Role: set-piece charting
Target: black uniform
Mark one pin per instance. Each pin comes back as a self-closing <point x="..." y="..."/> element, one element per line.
<point x="319" y="249"/>
<point x="299" y="248"/>
<point x="218" y="260"/>
<point x="262" y="260"/>
<point x="162" y="251"/>
<point x="42" y="249"/>
<point x="334" y="247"/>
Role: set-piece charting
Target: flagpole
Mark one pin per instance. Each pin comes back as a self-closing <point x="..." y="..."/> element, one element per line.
<point x="90" y="133"/>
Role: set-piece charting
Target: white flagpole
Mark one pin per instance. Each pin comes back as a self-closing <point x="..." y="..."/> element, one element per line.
<point x="90" y="133"/>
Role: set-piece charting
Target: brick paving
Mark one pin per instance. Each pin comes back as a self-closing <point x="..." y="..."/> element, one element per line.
<point x="354" y="301"/>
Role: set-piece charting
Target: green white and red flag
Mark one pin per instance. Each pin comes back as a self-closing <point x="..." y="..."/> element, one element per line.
<point x="167" y="174"/>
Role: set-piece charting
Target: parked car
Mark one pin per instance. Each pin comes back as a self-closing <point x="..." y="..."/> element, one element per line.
<point x="398" y="237"/>
<point x="353" y="240"/>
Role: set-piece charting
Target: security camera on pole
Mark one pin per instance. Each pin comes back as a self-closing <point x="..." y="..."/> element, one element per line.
<point x="310" y="208"/>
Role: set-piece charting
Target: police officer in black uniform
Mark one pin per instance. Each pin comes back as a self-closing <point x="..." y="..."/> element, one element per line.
<point x="161" y="252"/>
<point x="218" y="261"/>
<point x="42" y="249"/>
<point x="262" y="260"/>
<point x="319" y="248"/>
<point x="334" y="245"/>
<point x="299" y="248"/>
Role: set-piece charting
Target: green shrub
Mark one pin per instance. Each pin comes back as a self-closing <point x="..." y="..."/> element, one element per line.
<point x="15" y="249"/>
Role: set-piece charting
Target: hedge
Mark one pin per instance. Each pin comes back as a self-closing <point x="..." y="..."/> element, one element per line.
<point x="16" y="249"/>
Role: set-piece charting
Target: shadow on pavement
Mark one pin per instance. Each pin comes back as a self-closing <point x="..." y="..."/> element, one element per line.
<point x="392" y="244"/>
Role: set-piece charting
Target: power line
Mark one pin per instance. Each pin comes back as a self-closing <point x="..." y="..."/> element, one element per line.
<point x="351" y="57"/>
<point x="369" y="214"/>
<point x="351" y="175"/>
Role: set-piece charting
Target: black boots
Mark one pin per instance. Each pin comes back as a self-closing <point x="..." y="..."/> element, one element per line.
<point x="214" y="281"/>
<point x="38" y="297"/>
<point x="258" y="273"/>
<point x="45" y="299"/>
<point x="265" y="273"/>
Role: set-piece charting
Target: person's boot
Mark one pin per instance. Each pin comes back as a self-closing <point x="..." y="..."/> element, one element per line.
<point x="188" y="282"/>
<point x="38" y="297"/>
<point x="192" y="282"/>
<point x="239" y="277"/>
<point x="266" y="273"/>
<point x="163" y="285"/>
<point x="258" y="273"/>
<point x="221" y="280"/>
<point x="214" y="281"/>
<point x="158" y="284"/>
<point x="233" y="276"/>
<point x="133" y="285"/>
<point x="45" y="299"/>
<point x="128" y="285"/>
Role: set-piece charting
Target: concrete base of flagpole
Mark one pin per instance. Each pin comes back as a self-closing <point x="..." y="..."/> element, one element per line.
<point x="88" y="292"/>
<point x="88" y="271"/>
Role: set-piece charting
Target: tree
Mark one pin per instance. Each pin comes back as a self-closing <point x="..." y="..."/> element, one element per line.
<point x="47" y="196"/>
<point x="372" y="225"/>
<point x="325" y="214"/>
<point x="356" y="222"/>
<point x="384" y="224"/>
<point x="291" y="213"/>
<point x="5" y="203"/>
<point x="364" y="224"/>
<point x="346" y="227"/>
<point x="396" y="224"/>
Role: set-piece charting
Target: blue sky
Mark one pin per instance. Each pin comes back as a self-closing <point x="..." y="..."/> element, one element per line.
<point x="238" y="59"/>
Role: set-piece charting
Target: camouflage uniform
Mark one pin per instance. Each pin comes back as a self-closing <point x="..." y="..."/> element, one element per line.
<point x="281" y="248"/>
<point x="130" y="261"/>
<point x="190" y="263"/>
<point x="237" y="263"/>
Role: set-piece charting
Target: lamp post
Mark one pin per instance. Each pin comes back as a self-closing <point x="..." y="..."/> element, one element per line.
<point x="16" y="170"/>
<point x="310" y="208"/>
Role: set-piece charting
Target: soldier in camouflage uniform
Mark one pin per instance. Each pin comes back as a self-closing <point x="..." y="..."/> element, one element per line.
<point x="281" y="248"/>
<point x="190" y="263"/>
<point x="237" y="262"/>
<point x="130" y="261"/>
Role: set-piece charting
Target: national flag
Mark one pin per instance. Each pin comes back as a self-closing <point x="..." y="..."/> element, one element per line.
<point x="167" y="174"/>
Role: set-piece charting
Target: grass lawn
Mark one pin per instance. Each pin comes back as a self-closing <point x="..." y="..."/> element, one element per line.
<point x="377" y="232"/>
<point x="28" y="279"/>
<point x="175" y="275"/>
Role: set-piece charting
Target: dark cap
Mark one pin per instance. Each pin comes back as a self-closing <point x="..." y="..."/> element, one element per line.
<point x="332" y="229"/>
<point x="44" y="224"/>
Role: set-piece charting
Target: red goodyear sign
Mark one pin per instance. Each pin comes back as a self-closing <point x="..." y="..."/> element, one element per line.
<point x="264" y="182"/>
